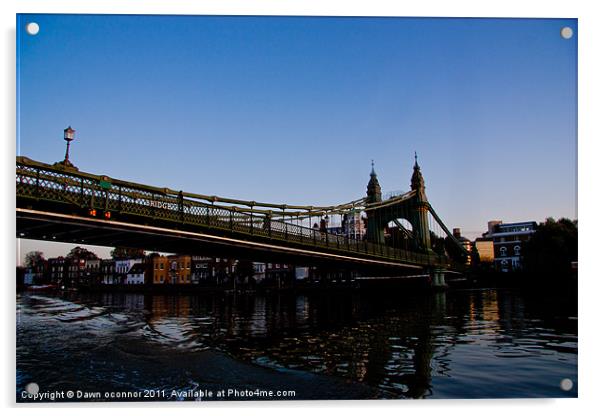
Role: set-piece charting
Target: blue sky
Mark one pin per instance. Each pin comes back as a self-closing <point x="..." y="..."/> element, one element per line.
<point x="292" y="109"/>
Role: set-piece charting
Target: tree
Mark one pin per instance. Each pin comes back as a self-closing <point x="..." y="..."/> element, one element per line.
<point x="81" y="253"/>
<point x="127" y="252"/>
<point x="551" y="249"/>
<point x="34" y="258"/>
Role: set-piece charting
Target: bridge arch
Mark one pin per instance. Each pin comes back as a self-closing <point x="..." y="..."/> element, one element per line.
<point x="412" y="207"/>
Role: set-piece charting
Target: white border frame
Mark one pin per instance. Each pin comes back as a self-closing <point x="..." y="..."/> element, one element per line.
<point x="590" y="30"/>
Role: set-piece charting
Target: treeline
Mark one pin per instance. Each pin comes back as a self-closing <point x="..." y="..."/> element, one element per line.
<point x="551" y="253"/>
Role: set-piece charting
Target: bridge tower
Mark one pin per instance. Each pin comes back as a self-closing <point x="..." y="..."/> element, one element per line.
<point x="419" y="209"/>
<point x="375" y="233"/>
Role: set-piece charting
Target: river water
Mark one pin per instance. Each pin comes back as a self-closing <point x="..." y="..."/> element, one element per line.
<point x="459" y="344"/>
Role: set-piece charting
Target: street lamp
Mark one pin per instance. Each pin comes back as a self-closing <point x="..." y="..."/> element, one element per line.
<point x="69" y="136"/>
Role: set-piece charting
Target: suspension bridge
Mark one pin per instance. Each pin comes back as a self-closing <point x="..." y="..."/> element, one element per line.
<point x="399" y="234"/>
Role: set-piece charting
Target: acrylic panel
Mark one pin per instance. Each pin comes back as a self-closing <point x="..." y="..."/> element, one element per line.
<point x="224" y="208"/>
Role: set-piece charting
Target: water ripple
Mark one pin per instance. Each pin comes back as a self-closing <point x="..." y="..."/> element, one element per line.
<point x="468" y="344"/>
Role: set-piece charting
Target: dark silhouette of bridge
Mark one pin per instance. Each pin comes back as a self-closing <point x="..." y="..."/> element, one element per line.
<point x="60" y="203"/>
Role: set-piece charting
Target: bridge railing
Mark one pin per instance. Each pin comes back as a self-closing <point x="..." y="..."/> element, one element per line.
<point x="38" y="181"/>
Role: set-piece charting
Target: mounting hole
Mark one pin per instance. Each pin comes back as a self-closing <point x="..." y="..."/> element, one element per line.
<point x="566" y="32"/>
<point x="566" y="384"/>
<point x="32" y="388"/>
<point x="32" y="28"/>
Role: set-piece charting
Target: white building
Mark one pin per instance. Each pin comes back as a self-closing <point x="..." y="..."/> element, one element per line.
<point x="135" y="276"/>
<point x="508" y="240"/>
<point x="259" y="271"/>
<point x="301" y="273"/>
<point x="201" y="269"/>
<point x="28" y="277"/>
<point x="122" y="267"/>
<point x="355" y="226"/>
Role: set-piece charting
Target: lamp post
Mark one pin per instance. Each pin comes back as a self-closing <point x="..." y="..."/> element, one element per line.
<point x="69" y="136"/>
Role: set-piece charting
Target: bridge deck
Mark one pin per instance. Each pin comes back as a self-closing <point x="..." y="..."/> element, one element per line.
<point x="54" y="203"/>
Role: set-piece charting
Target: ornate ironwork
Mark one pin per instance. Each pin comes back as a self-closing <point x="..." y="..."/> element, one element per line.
<point x="36" y="181"/>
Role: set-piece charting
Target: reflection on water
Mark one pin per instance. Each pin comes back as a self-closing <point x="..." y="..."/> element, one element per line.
<point x="341" y="346"/>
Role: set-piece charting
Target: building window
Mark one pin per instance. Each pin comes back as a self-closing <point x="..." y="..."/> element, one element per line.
<point x="503" y="251"/>
<point x="517" y="250"/>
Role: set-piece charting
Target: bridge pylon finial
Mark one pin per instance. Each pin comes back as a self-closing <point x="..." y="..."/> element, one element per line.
<point x="374" y="192"/>
<point x="417" y="182"/>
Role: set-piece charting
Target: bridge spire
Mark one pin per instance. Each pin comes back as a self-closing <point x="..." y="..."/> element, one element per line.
<point x="420" y="206"/>
<point x="417" y="179"/>
<point x="375" y="230"/>
<point x="374" y="192"/>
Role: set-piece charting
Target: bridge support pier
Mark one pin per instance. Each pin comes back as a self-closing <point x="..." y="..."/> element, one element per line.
<point x="438" y="279"/>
